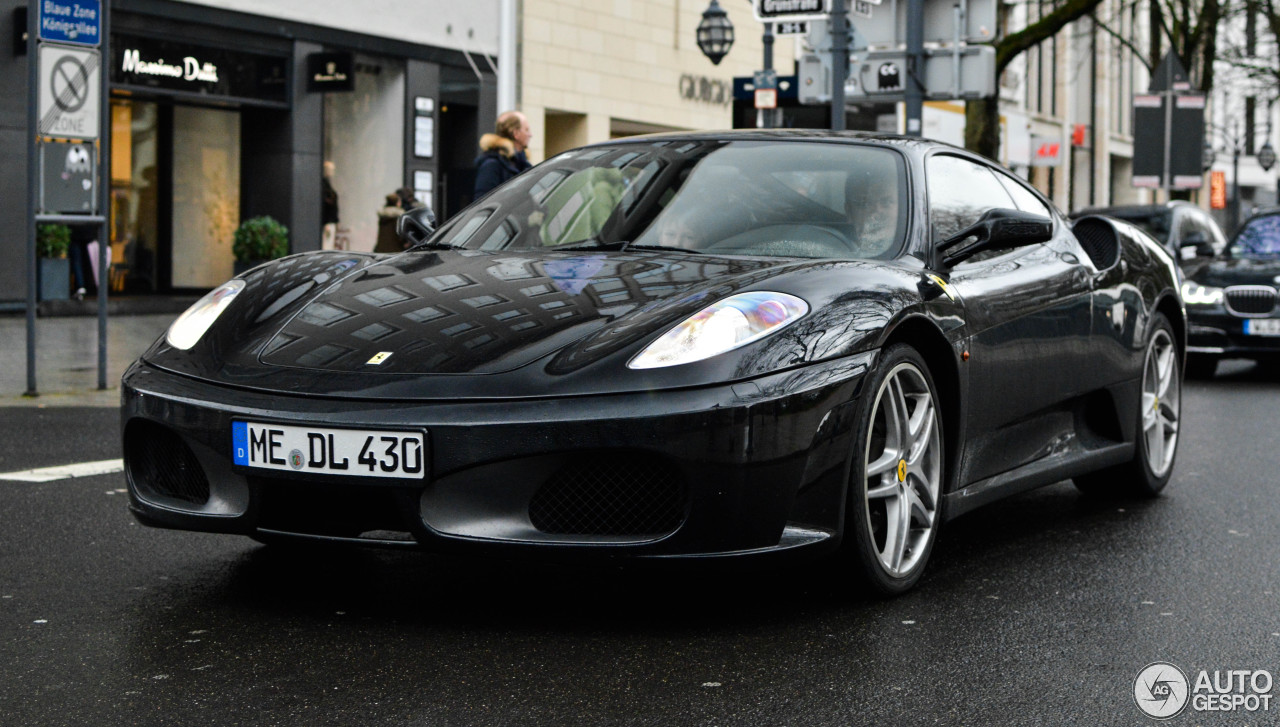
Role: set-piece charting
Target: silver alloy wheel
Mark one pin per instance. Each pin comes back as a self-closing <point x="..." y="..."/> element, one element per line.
<point x="903" y="469"/>
<point x="1161" y="402"/>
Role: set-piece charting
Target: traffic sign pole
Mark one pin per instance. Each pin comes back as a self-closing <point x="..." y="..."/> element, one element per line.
<point x="33" y="181"/>
<point x="839" y="61"/>
<point x="104" y="195"/>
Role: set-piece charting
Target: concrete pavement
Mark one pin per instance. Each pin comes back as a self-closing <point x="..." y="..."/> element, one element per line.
<point x="67" y="357"/>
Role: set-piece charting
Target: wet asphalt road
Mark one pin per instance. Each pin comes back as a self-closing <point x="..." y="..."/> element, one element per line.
<point x="1037" y="610"/>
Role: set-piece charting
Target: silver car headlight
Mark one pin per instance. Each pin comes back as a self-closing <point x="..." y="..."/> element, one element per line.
<point x="722" y="326"/>
<point x="1196" y="294"/>
<point x="194" y="321"/>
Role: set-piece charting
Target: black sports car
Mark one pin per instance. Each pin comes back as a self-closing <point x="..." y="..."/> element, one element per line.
<point x="1231" y="303"/>
<point x="681" y="346"/>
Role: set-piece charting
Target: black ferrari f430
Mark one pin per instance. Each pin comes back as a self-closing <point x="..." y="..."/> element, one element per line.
<point x="675" y="347"/>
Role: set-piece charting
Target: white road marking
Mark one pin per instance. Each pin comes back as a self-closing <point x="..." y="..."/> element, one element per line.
<point x="66" y="471"/>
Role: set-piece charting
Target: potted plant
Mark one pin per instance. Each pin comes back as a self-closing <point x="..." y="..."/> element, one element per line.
<point x="258" y="240"/>
<point x="52" y="242"/>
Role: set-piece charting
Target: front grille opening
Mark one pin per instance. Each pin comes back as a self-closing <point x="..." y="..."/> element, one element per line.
<point x="162" y="466"/>
<point x="333" y="510"/>
<point x="1251" y="300"/>
<point x="611" y="494"/>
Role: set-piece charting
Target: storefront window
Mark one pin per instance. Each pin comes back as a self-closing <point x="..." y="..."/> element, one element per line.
<point x="135" y="193"/>
<point x="364" y="138"/>
<point x="206" y="194"/>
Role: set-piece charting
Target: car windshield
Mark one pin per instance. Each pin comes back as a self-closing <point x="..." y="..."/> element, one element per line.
<point x="1156" y="225"/>
<point x="784" y="199"/>
<point x="1260" y="237"/>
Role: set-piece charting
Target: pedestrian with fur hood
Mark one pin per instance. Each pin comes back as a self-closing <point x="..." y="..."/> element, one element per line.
<point x="502" y="152"/>
<point x="388" y="240"/>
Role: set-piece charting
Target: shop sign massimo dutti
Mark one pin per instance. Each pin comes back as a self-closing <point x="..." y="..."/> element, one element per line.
<point x="327" y="72"/>
<point x="191" y="68"/>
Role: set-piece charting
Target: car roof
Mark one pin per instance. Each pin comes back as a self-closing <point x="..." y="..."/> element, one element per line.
<point x="794" y="135"/>
<point x="1134" y="210"/>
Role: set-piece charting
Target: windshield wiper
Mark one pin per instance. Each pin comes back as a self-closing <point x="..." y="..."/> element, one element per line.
<point x="672" y="248"/>
<point x="590" y="245"/>
<point x="428" y="245"/>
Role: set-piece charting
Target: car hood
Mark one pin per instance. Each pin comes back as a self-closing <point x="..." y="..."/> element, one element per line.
<point x="449" y="324"/>
<point x="1239" y="271"/>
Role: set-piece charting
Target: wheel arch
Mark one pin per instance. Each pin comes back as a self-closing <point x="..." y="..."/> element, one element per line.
<point x="1172" y="310"/>
<point x="926" y="338"/>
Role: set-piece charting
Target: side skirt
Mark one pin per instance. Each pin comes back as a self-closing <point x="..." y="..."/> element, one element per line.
<point x="1040" y="473"/>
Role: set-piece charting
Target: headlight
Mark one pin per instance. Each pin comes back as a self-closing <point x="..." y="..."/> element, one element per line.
<point x="722" y="326"/>
<point x="1196" y="294"/>
<point x="194" y="321"/>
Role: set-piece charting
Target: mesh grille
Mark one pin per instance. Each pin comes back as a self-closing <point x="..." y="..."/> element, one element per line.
<point x="1099" y="241"/>
<point x="610" y="495"/>
<point x="162" y="465"/>
<point x="1251" y="299"/>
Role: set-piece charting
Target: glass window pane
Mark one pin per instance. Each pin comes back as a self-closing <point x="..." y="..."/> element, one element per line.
<point x="959" y="193"/>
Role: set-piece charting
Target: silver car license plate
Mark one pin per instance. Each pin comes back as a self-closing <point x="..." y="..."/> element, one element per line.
<point x="1262" y="326"/>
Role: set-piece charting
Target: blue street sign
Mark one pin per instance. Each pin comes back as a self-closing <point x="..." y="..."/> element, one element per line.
<point x="70" y="21"/>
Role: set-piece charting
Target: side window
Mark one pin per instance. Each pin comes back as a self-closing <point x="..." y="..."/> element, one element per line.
<point x="959" y="193"/>
<point x="1212" y="232"/>
<point x="1026" y="200"/>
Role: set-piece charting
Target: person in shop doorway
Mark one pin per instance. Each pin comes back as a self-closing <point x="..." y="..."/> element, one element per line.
<point x="83" y="247"/>
<point x="502" y="152"/>
<point x="328" y="207"/>
<point x="388" y="240"/>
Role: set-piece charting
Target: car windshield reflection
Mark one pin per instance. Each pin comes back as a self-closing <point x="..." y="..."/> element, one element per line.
<point x="807" y="200"/>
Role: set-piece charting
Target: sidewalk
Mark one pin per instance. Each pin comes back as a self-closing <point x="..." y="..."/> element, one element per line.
<point x="67" y="357"/>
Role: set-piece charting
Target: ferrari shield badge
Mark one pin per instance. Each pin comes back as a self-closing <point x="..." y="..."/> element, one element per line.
<point x="378" y="358"/>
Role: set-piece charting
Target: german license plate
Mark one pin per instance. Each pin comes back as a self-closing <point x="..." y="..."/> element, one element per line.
<point x="350" y="452"/>
<point x="1262" y="326"/>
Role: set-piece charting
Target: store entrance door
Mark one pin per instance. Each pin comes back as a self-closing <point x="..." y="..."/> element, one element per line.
<point x="175" y="196"/>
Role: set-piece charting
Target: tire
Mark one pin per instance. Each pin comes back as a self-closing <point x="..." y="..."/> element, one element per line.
<point x="1201" y="366"/>
<point x="1159" y="418"/>
<point x="896" y="475"/>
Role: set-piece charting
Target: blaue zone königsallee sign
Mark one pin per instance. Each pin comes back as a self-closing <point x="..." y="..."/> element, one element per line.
<point x="70" y="21"/>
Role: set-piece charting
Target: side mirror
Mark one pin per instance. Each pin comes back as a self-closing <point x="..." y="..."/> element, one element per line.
<point x="415" y="226"/>
<point x="998" y="229"/>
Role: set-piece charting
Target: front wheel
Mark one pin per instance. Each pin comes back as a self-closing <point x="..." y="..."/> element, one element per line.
<point x="1159" y="419"/>
<point x="896" y="476"/>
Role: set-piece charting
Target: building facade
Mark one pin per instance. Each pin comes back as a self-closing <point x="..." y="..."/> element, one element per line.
<point x="223" y="110"/>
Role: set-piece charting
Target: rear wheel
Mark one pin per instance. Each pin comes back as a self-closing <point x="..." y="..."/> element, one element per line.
<point x="896" y="475"/>
<point x="1159" y="419"/>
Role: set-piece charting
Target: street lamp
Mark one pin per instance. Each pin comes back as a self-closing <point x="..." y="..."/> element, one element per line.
<point x="715" y="33"/>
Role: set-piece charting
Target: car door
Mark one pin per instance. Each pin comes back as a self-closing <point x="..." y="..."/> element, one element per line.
<point x="1027" y="317"/>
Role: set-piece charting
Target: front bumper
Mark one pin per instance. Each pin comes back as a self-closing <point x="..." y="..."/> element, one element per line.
<point x="1218" y="332"/>
<point x="749" y="468"/>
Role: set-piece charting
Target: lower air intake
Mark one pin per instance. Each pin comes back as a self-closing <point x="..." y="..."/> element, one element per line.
<point x="610" y="494"/>
<point x="162" y="465"/>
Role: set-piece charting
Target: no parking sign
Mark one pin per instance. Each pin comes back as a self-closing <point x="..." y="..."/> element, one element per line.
<point x="70" y="91"/>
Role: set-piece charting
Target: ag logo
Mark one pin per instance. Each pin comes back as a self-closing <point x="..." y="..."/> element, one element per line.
<point x="889" y="77"/>
<point x="1160" y="690"/>
<point x="78" y="160"/>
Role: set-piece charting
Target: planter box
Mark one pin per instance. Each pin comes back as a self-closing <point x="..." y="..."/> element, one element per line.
<point x="54" y="279"/>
